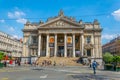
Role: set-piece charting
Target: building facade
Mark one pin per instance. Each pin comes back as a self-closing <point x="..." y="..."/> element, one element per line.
<point x="10" y="45"/>
<point x="113" y="46"/>
<point x="62" y="36"/>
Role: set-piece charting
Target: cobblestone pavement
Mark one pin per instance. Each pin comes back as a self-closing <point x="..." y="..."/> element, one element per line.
<point x="87" y="76"/>
<point x="85" y="73"/>
<point x="56" y="73"/>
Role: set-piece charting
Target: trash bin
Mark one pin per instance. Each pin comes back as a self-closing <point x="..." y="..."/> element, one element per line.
<point x="1" y="65"/>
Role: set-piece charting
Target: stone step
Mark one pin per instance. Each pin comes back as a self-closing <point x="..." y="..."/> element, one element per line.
<point x="59" y="61"/>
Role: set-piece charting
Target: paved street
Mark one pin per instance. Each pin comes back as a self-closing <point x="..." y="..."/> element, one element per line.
<point x="56" y="73"/>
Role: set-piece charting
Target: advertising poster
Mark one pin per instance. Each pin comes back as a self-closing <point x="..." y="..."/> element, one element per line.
<point x="51" y="41"/>
<point x="69" y="41"/>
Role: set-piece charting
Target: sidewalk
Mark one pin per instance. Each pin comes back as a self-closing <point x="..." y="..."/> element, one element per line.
<point x="12" y="69"/>
<point x="83" y="73"/>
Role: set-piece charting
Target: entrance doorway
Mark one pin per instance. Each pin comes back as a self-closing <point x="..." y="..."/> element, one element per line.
<point x="69" y="52"/>
<point x="51" y="52"/>
<point x="60" y="51"/>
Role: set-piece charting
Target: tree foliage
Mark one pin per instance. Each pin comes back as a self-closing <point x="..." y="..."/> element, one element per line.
<point x="107" y="57"/>
<point x="116" y="59"/>
<point x="1" y="55"/>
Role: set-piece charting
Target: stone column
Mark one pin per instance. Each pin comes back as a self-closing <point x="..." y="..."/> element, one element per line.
<point x="95" y="49"/>
<point x="47" y="46"/>
<point x="39" y="45"/>
<point x="65" y="45"/>
<point x="34" y="52"/>
<point x="80" y="44"/>
<point x="100" y="47"/>
<point x="92" y="41"/>
<point x="55" y="46"/>
<point x="82" y="51"/>
<point x="31" y="53"/>
<point x="73" y="44"/>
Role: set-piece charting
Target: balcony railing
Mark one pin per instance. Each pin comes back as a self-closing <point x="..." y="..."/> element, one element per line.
<point x="88" y="45"/>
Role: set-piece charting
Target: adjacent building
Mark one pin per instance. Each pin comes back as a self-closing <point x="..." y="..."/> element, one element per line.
<point x="113" y="46"/>
<point x="62" y="36"/>
<point x="11" y="46"/>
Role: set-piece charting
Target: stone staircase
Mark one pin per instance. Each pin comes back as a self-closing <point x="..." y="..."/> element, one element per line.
<point x="63" y="61"/>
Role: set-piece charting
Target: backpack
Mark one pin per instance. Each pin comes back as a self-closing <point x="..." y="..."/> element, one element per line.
<point x="94" y="64"/>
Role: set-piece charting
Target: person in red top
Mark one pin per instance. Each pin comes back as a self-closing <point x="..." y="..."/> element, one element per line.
<point x="6" y="57"/>
<point x="11" y="62"/>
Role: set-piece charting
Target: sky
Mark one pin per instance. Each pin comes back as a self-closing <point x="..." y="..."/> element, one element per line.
<point x="15" y="13"/>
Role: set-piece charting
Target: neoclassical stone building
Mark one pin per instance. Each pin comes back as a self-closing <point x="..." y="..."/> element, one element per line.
<point x="10" y="45"/>
<point x="62" y="36"/>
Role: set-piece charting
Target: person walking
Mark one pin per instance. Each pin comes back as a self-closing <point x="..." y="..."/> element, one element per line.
<point x="54" y="64"/>
<point x="5" y="64"/>
<point x="18" y="62"/>
<point x="94" y="65"/>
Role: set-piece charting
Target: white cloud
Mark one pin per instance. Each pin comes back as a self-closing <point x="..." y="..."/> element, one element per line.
<point x="2" y="21"/>
<point x="108" y="36"/>
<point x="19" y="14"/>
<point x="10" y="15"/>
<point x="116" y="14"/>
<point x="16" y="36"/>
<point x="21" y="20"/>
<point x="12" y="29"/>
<point x="16" y="14"/>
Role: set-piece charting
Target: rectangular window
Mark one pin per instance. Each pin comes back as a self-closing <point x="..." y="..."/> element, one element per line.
<point x="88" y="39"/>
<point x="88" y="52"/>
<point x="34" y="39"/>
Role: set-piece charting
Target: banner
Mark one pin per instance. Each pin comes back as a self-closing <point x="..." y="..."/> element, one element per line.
<point x="51" y="44"/>
<point x="51" y="39"/>
<point x="69" y="40"/>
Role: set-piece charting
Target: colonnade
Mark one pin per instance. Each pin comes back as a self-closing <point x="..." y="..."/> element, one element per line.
<point x="65" y="45"/>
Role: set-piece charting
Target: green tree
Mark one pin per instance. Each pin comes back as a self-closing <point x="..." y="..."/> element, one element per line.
<point x="107" y="57"/>
<point x="116" y="59"/>
<point x="1" y="55"/>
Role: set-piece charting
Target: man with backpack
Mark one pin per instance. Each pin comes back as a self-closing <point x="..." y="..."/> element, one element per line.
<point x="94" y="65"/>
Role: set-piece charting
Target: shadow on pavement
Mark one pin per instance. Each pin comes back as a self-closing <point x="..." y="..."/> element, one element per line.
<point x="37" y="69"/>
<point x="87" y="76"/>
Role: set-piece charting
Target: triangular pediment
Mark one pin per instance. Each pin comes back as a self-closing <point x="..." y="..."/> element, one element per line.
<point x="60" y="22"/>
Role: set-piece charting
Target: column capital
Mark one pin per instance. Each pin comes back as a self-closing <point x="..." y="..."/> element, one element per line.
<point x="47" y="33"/>
<point x="65" y="33"/>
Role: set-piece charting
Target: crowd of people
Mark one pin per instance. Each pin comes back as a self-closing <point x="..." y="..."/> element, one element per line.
<point x="9" y="63"/>
<point x="47" y="63"/>
<point x="17" y="62"/>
